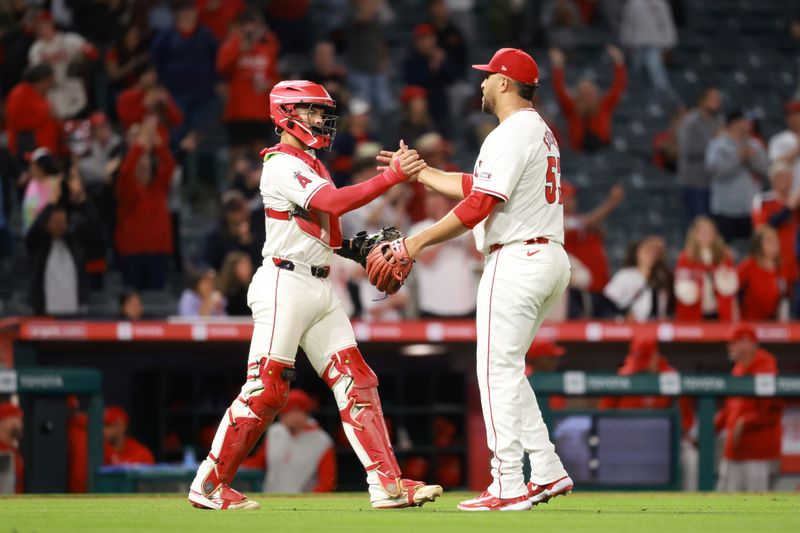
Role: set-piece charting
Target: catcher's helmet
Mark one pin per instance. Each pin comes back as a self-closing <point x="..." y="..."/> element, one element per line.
<point x="284" y="100"/>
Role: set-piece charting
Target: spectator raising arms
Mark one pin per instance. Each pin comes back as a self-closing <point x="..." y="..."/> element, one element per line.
<point x="248" y="60"/>
<point x="705" y="276"/>
<point x="62" y="51"/>
<point x="588" y="113"/>
<point x="143" y="234"/>
<point x="148" y="97"/>
<point x="762" y="288"/>
<point x="30" y="121"/>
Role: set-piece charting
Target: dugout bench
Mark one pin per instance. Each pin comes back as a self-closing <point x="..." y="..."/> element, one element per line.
<point x="707" y="389"/>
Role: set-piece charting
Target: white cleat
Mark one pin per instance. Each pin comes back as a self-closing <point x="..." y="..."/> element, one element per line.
<point x="224" y="498"/>
<point x="544" y="493"/>
<point x="415" y="494"/>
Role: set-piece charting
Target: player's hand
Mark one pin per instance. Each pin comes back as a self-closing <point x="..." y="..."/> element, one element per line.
<point x="557" y="58"/>
<point x="616" y="54"/>
<point x="407" y="162"/>
<point x="385" y="159"/>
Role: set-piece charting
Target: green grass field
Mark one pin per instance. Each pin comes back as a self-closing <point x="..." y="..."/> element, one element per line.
<point x="350" y="513"/>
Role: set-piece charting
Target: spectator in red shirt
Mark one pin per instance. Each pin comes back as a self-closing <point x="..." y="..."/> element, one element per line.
<point x="10" y="437"/>
<point x="588" y="113"/>
<point x="545" y="356"/>
<point x="705" y="276"/>
<point x="752" y="425"/>
<point x="143" y="235"/>
<point x="148" y="97"/>
<point x="297" y="454"/>
<point x="583" y="241"/>
<point x="30" y="121"/>
<point x="762" y="288"/>
<point x="120" y="448"/>
<point x="218" y="15"/>
<point x="778" y="209"/>
<point x="248" y="61"/>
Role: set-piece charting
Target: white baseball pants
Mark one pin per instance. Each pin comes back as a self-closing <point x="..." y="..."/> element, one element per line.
<point x="519" y="284"/>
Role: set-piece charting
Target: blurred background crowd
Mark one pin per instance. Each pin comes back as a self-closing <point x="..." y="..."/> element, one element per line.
<point x="130" y="167"/>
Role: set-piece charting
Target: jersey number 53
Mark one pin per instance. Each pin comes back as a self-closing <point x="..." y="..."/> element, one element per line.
<point x="552" y="185"/>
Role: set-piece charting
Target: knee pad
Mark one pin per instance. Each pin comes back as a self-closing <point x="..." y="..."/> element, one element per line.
<point x="271" y="381"/>
<point x="350" y="363"/>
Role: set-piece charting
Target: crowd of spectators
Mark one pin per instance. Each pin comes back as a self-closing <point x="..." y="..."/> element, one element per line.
<point x="118" y="114"/>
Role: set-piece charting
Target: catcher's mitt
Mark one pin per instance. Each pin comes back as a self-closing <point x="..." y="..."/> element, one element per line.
<point x="359" y="247"/>
<point x="388" y="266"/>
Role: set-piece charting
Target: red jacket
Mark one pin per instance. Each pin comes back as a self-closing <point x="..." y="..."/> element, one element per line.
<point x="761" y="290"/>
<point x="132" y="110"/>
<point x="587" y="246"/>
<point x="19" y="467"/>
<point x="143" y="222"/>
<point x="29" y="111"/>
<point x="600" y="123"/>
<point x="133" y="452"/>
<point x="761" y="438"/>
<point x="765" y="206"/>
<point x="218" y="19"/>
<point x="251" y="75"/>
<point x="687" y="270"/>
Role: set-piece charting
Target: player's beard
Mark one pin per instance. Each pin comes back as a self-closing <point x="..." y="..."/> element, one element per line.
<point x="487" y="104"/>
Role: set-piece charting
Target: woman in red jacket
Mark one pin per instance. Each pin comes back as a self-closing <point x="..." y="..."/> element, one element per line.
<point x="705" y="276"/>
<point x="143" y="235"/>
<point x="762" y="286"/>
<point x="752" y="425"/>
<point x="248" y="60"/>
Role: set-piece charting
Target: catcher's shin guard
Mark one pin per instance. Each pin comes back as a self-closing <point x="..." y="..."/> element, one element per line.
<point x="355" y="387"/>
<point x="262" y="397"/>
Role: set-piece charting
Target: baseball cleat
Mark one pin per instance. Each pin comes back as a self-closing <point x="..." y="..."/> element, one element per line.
<point x="415" y="494"/>
<point x="487" y="502"/>
<point x="544" y="493"/>
<point x="224" y="498"/>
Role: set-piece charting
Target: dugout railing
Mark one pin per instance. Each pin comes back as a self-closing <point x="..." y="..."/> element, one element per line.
<point x="707" y="389"/>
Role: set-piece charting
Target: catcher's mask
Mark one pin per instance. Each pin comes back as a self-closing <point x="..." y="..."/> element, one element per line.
<point x="289" y="97"/>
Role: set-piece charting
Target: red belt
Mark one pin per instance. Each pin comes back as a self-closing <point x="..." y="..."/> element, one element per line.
<point x="536" y="240"/>
<point x="277" y="215"/>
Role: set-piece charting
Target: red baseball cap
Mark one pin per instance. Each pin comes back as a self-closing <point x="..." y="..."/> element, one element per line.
<point x="544" y="349"/>
<point x="411" y="92"/>
<point x="743" y="330"/>
<point x="515" y="64"/>
<point x="114" y="414"/>
<point x="792" y="106"/>
<point x="421" y="30"/>
<point x="298" y="399"/>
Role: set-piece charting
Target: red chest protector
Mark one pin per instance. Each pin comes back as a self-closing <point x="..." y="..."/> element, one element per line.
<point x="321" y="226"/>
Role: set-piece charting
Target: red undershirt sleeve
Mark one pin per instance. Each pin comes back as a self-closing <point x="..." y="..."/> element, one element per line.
<point x="475" y="208"/>
<point x="337" y="202"/>
<point x="466" y="184"/>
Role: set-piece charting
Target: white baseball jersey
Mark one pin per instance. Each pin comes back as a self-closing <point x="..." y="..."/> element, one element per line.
<point x="520" y="164"/>
<point x="289" y="180"/>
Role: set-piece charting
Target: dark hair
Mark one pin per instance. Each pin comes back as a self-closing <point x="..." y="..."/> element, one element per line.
<point x="526" y="90"/>
<point x="250" y="15"/>
<point x="125" y="296"/>
<point x="704" y="92"/>
<point x="37" y="73"/>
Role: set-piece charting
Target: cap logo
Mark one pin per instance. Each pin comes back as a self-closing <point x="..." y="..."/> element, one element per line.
<point x="503" y="68"/>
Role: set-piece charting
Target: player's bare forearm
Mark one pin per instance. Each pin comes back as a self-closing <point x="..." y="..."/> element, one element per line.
<point x="447" y="228"/>
<point x="446" y="183"/>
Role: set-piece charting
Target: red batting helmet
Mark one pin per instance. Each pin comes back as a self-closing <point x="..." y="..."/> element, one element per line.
<point x="284" y="100"/>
